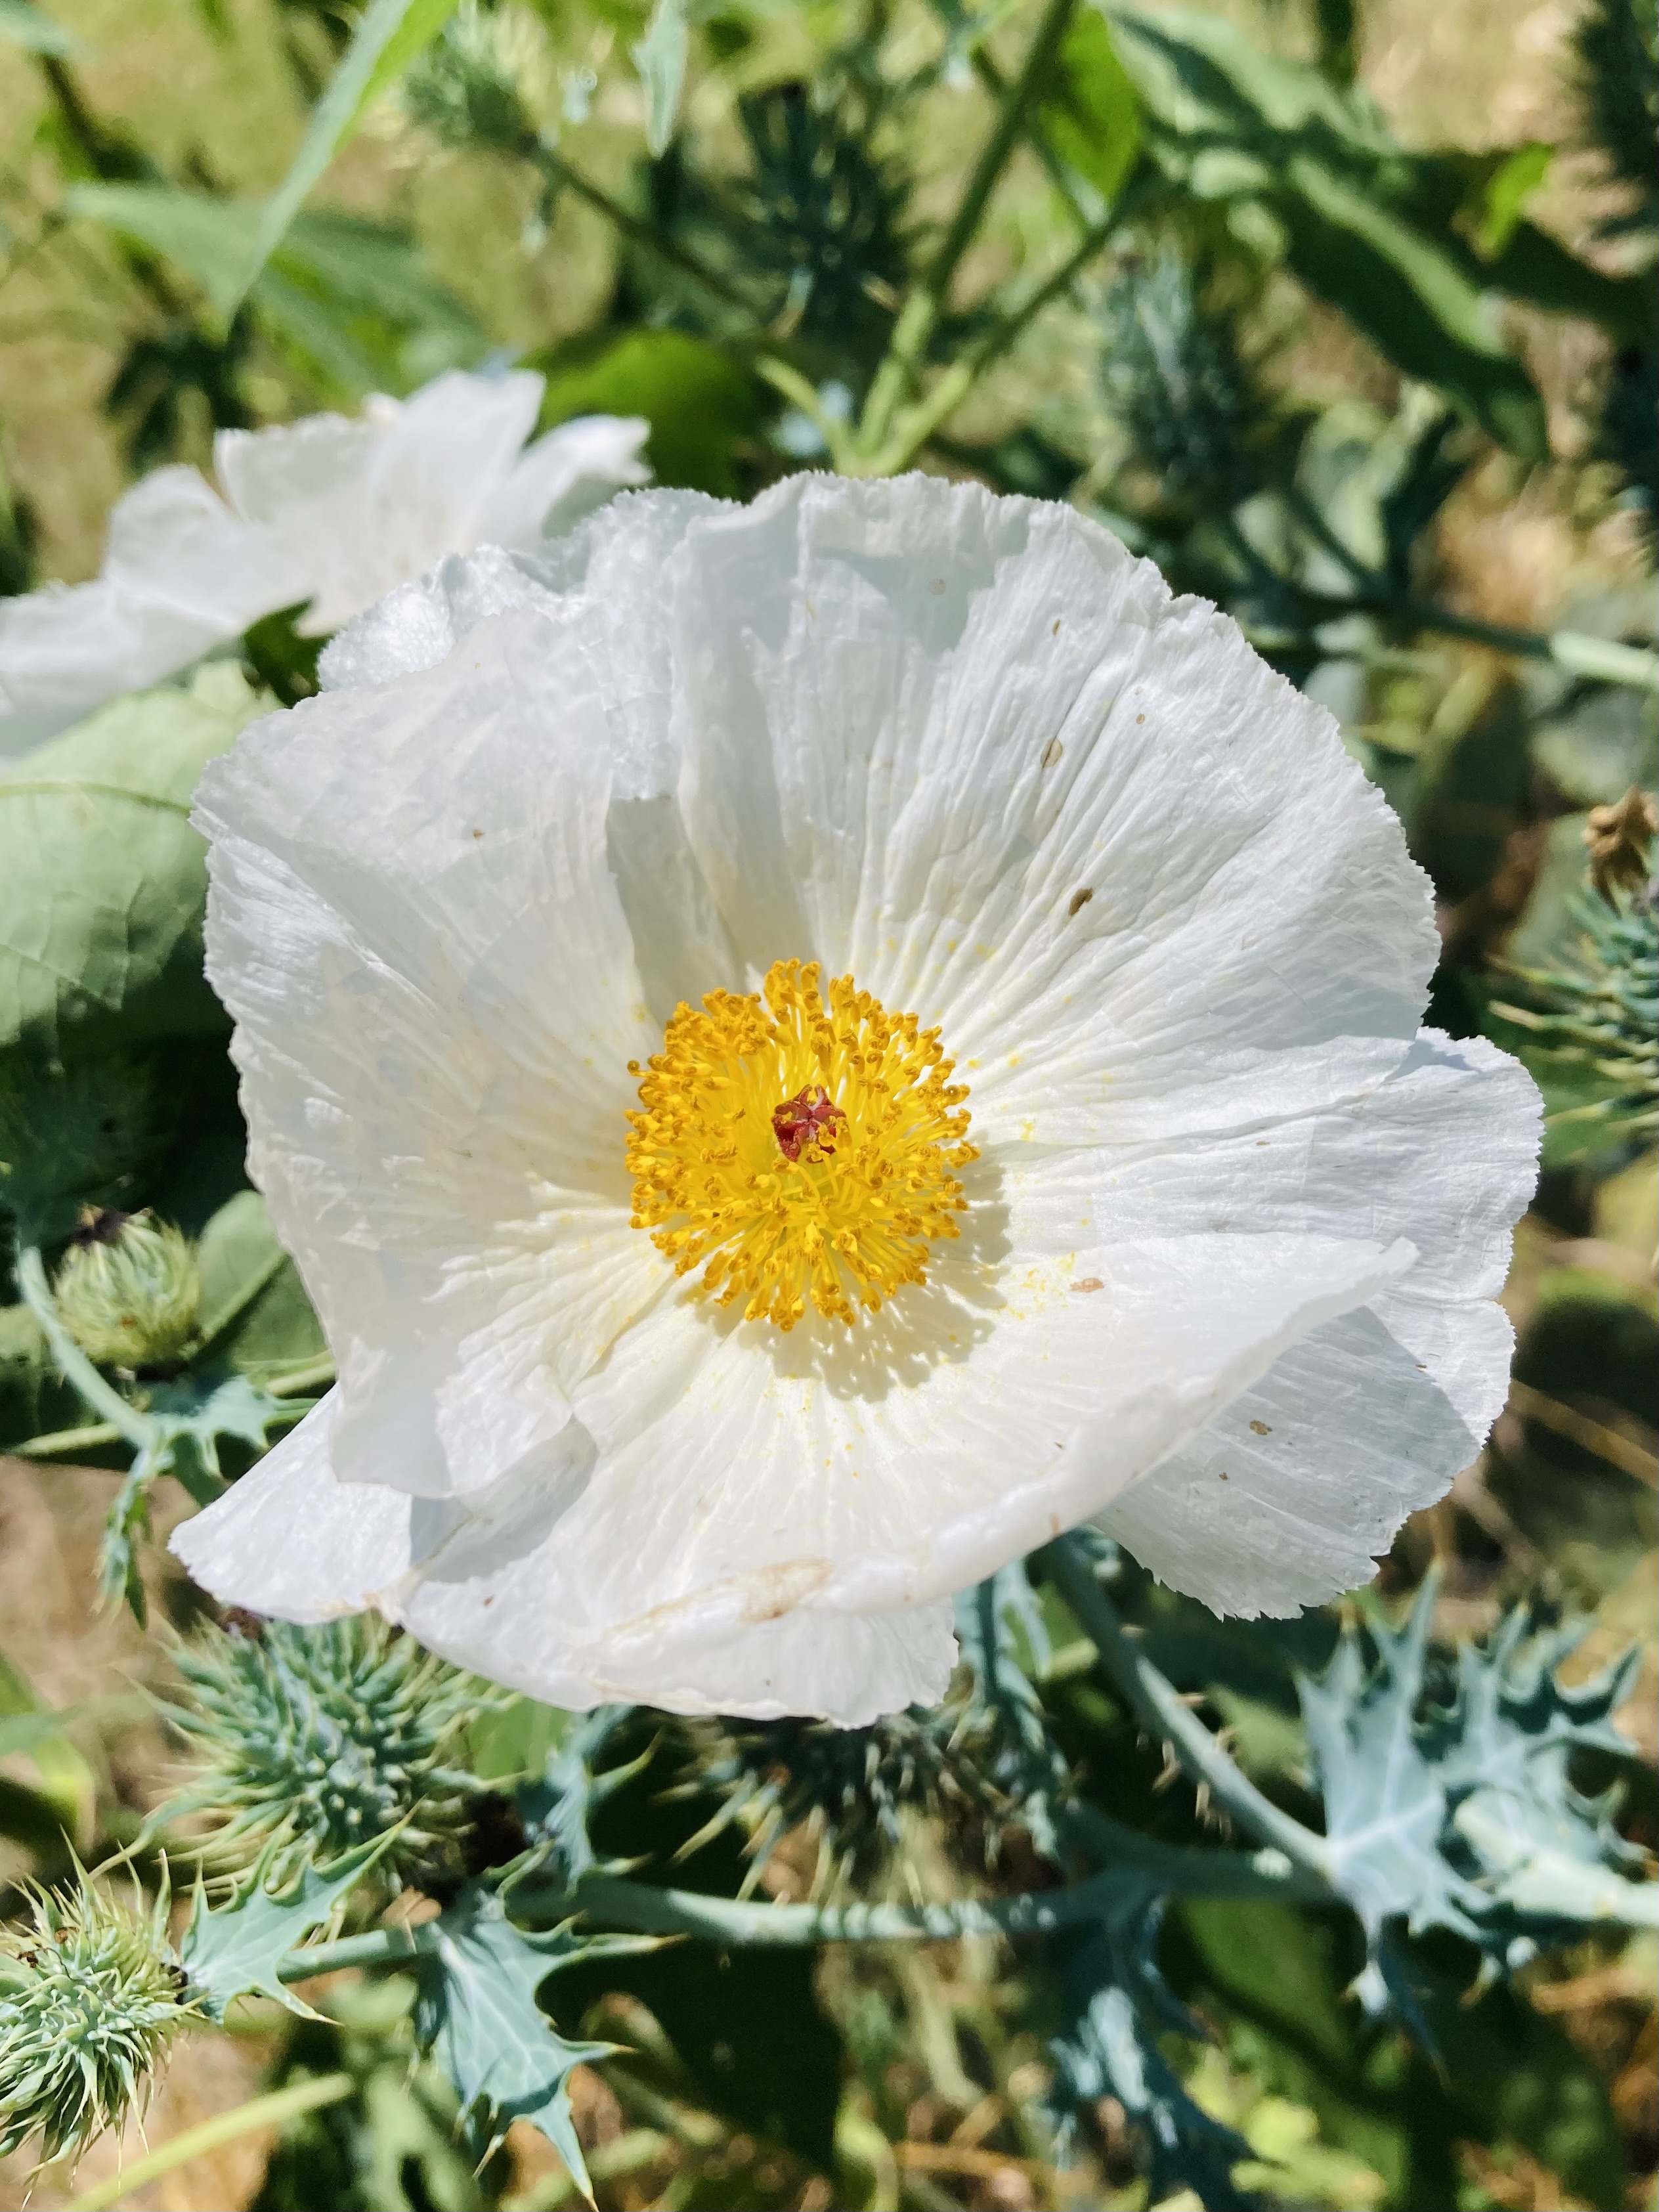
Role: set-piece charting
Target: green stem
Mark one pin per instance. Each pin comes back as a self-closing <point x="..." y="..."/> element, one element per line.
<point x="1017" y="99"/>
<point x="64" y="1444"/>
<point x="917" y="424"/>
<point x="634" y="227"/>
<point x="618" y="1903"/>
<point x="72" y="1363"/>
<point x="1160" y="1706"/>
<point x="899" y="366"/>
<point x="1608" y="659"/>
<point x="273" y="2110"/>
<point x="1059" y="176"/>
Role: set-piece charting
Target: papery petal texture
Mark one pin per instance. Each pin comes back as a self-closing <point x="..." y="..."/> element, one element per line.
<point x="327" y="514"/>
<point x="1209" y="1288"/>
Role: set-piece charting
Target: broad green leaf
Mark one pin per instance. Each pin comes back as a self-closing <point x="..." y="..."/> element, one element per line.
<point x="1203" y="79"/>
<point x="21" y="25"/>
<point x="702" y="405"/>
<point x="102" y="880"/>
<point x="64" y="1783"/>
<point x="1409" y="299"/>
<point x="353" y="298"/>
<point x="478" y="2014"/>
<point x="254" y="1316"/>
<point x="1508" y="189"/>
<point x="1232" y="123"/>
<point x="211" y="239"/>
<point x="659" y="58"/>
<point x="390" y="36"/>
<point x="238" y="1949"/>
<point x="1091" y="117"/>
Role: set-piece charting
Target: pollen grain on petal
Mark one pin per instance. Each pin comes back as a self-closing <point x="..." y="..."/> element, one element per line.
<point x="796" y="1146"/>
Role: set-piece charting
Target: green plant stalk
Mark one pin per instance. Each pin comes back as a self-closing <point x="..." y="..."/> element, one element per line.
<point x="557" y="171"/>
<point x="103" y="1397"/>
<point x="899" y="370"/>
<point x="1159" y="1705"/>
<point x="64" y="1444"/>
<point x="273" y="2110"/>
<point x="643" y="1909"/>
<point x="918" y="423"/>
<point x="1059" y="176"/>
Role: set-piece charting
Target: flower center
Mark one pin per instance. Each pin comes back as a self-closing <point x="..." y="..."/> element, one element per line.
<point x="796" y="1150"/>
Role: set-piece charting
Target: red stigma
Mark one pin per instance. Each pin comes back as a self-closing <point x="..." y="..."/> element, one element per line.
<point x="808" y="1118"/>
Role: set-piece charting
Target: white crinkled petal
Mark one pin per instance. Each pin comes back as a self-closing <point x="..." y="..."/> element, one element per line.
<point x="64" y="650"/>
<point x="411" y="919"/>
<point x="973" y="751"/>
<point x="1288" y="1499"/>
<point x="418" y="624"/>
<point x="558" y="479"/>
<point x="327" y="514"/>
<point x="292" y="1541"/>
<point x="425" y="484"/>
<point x="738" y="1471"/>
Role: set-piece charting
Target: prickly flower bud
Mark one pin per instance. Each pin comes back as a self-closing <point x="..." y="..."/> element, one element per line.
<point x="484" y="82"/>
<point x="128" y="1289"/>
<point x="849" y="1787"/>
<point x="316" y="1739"/>
<point x="90" y="1998"/>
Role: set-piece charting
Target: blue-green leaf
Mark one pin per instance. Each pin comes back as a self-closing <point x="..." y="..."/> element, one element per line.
<point x="238" y="1949"/>
<point x="477" y="2013"/>
<point x="1461" y="1815"/>
<point x="1116" y="2007"/>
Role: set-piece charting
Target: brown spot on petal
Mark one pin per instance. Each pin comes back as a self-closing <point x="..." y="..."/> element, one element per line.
<point x="1259" y="1429"/>
<point x="1079" y="900"/>
<point x="1087" y="1283"/>
<point x="773" y="1591"/>
<point x="1051" y="753"/>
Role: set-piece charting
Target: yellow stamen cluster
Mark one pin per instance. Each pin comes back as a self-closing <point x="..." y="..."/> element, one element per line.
<point x="848" y="1221"/>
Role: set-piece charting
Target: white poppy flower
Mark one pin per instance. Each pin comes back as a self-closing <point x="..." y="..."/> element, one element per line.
<point x="328" y="512"/>
<point x="825" y="1044"/>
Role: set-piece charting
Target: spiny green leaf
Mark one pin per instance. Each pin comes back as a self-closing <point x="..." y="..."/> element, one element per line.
<point x="1461" y="1815"/>
<point x="1116" y="2007"/>
<point x="477" y="2013"/>
<point x="237" y="1948"/>
<point x="555" y="1809"/>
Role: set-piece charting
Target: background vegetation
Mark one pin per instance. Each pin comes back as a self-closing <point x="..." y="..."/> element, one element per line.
<point x="1343" y="312"/>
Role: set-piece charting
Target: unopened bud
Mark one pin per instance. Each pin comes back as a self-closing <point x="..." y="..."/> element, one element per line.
<point x="128" y="1289"/>
<point x="92" y="1997"/>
